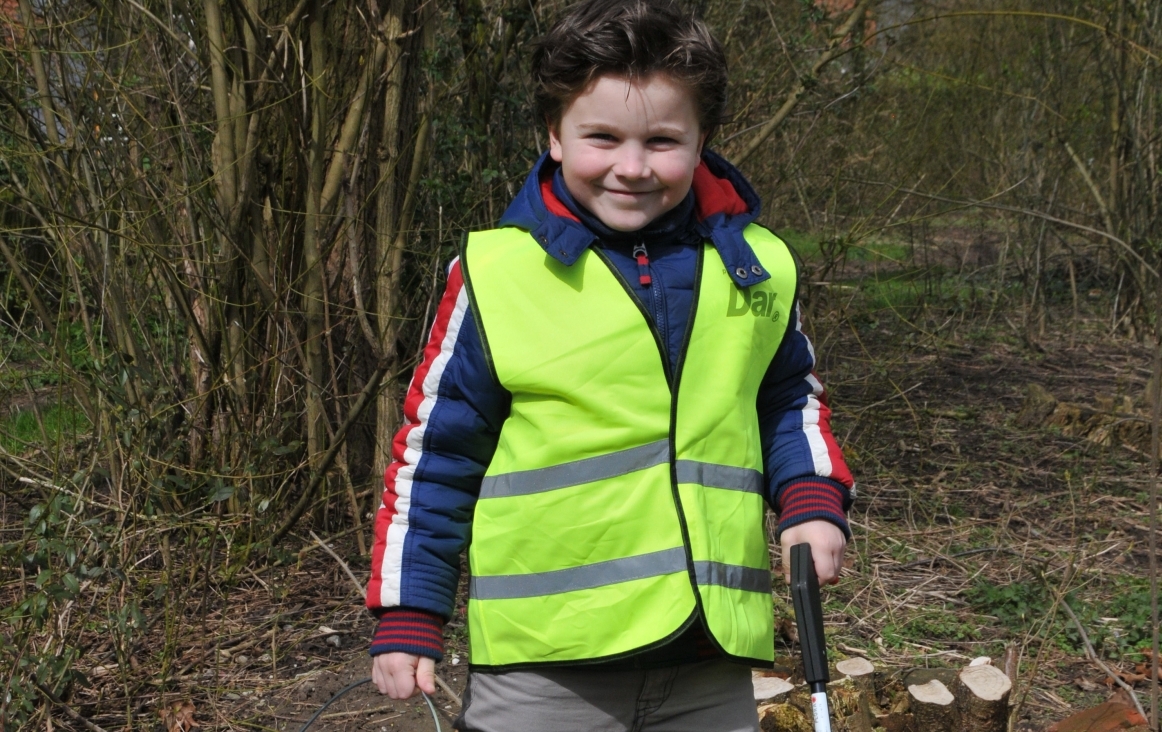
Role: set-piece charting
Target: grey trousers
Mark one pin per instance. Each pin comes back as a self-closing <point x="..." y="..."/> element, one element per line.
<point x="710" y="696"/>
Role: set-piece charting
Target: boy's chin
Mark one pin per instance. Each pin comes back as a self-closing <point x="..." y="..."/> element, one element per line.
<point x="626" y="221"/>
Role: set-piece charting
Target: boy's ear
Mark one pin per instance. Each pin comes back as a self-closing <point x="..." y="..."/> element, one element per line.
<point x="554" y="141"/>
<point x="702" y="136"/>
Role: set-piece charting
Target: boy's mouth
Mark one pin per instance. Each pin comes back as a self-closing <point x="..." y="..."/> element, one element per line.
<point x="628" y="194"/>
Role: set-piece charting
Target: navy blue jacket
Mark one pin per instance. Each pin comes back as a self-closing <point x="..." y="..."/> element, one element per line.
<point x="454" y="409"/>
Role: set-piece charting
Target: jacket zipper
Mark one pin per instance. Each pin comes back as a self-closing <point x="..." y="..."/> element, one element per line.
<point x="646" y="279"/>
<point x="666" y="369"/>
<point x="643" y="264"/>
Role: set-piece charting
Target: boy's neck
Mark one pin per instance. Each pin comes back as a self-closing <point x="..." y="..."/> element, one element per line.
<point x="678" y="225"/>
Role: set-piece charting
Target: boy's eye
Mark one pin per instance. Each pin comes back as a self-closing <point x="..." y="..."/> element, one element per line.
<point x="601" y="136"/>
<point x="662" y="141"/>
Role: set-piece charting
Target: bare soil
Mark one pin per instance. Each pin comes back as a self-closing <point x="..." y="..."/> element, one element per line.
<point x="970" y="531"/>
<point x="952" y="496"/>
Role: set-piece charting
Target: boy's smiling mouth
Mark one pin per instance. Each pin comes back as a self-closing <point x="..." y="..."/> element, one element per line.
<point x="627" y="194"/>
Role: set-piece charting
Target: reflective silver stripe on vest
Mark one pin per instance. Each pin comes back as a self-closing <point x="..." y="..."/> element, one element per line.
<point x="588" y="576"/>
<point x="577" y="472"/>
<point x="733" y="576"/>
<point x="720" y="476"/>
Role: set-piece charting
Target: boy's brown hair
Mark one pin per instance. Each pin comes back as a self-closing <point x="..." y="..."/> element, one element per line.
<point x="632" y="39"/>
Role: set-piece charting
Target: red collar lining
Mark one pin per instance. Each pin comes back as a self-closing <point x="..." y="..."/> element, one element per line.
<point x="714" y="195"/>
<point x="552" y="203"/>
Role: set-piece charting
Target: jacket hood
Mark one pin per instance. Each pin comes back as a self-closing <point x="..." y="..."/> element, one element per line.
<point x="724" y="205"/>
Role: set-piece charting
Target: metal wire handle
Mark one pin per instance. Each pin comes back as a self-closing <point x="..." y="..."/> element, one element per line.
<point x="356" y="684"/>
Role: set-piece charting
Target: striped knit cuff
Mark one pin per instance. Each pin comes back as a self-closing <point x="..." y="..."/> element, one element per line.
<point x="812" y="499"/>
<point x="403" y="630"/>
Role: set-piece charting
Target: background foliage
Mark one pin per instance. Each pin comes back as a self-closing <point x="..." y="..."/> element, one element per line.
<point x="224" y="226"/>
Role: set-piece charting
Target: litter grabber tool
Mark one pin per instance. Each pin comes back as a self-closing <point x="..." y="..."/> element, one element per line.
<point x="809" y="618"/>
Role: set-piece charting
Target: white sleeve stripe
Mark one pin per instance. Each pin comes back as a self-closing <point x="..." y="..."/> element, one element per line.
<point x="391" y="570"/>
<point x="820" y="455"/>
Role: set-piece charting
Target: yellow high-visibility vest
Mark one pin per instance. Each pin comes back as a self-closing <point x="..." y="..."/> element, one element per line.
<point x="624" y="501"/>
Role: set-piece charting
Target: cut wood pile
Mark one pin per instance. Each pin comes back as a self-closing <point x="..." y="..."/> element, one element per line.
<point x="862" y="699"/>
<point x="1108" y="421"/>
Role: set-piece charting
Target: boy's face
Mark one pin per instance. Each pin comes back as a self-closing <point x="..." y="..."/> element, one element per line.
<point x="628" y="149"/>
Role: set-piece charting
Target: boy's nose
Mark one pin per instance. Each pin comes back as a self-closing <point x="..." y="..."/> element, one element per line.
<point x="631" y="163"/>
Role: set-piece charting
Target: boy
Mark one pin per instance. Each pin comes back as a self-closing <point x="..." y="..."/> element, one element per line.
<point x="615" y="381"/>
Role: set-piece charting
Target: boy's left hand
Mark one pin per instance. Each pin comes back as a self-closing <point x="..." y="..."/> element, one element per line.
<point x="827" y="546"/>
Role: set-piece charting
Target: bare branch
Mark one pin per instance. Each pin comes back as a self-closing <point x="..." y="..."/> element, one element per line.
<point x="834" y="51"/>
<point x="1029" y="212"/>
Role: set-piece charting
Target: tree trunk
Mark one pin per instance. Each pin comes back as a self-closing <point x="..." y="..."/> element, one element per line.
<point x="395" y="155"/>
<point x="313" y="282"/>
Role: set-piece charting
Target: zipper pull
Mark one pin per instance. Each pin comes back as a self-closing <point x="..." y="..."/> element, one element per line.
<point x="643" y="264"/>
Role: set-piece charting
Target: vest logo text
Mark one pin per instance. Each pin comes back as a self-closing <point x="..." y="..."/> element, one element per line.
<point x="760" y="303"/>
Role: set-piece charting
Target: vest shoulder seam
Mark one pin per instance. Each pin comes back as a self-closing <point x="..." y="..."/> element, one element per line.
<point x="798" y="262"/>
<point x="478" y="317"/>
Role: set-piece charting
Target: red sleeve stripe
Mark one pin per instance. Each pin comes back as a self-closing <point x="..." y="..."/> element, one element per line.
<point x="812" y="498"/>
<point x="406" y="631"/>
<point x="825" y="452"/>
<point x="809" y="500"/>
<point x="406" y="627"/>
<point x="391" y="522"/>
<point x="390" y="642"/>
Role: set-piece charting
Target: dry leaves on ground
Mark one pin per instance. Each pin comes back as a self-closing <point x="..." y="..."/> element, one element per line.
<point x="178" y="716"/>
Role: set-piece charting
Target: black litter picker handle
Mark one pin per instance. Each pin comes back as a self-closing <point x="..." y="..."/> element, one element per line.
<point x="809" y="618"/>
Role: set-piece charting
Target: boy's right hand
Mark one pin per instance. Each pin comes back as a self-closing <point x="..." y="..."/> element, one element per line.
<point x="399" y="674"/>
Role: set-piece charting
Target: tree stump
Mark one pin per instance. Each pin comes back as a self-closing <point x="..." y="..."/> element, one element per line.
<point x="769" y="687"/>
<point x="933" y="707"/>
<point x="862" y="675"/>
<point x="982" y="699"/>
<point x="859" y="670"/>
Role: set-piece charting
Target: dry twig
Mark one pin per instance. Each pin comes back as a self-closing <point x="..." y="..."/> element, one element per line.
<point x="72" y="713"/>
<point x="337" y="558"/>
<point x="1093" y="657"/>
<point x="448" y="690"/>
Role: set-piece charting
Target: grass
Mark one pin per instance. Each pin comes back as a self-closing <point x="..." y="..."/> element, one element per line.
<point x="812" y="246"/>
<point x="61" y="424"/>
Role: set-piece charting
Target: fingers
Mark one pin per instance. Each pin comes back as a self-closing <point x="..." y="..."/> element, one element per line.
<point x="401" y="675"/>
<point x="827" y="569"/>
<point x="426" y="675"/>
<point x="402" y="681"/>
<point x="379" y="672"/>
<point x="827" y="547"/>
<point x="829" y="562"/>
<point x="394" y="674"/>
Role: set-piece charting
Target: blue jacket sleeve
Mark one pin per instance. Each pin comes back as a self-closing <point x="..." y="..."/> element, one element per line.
<point x="806" y="475"/>
<point x="453" y="412"/>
